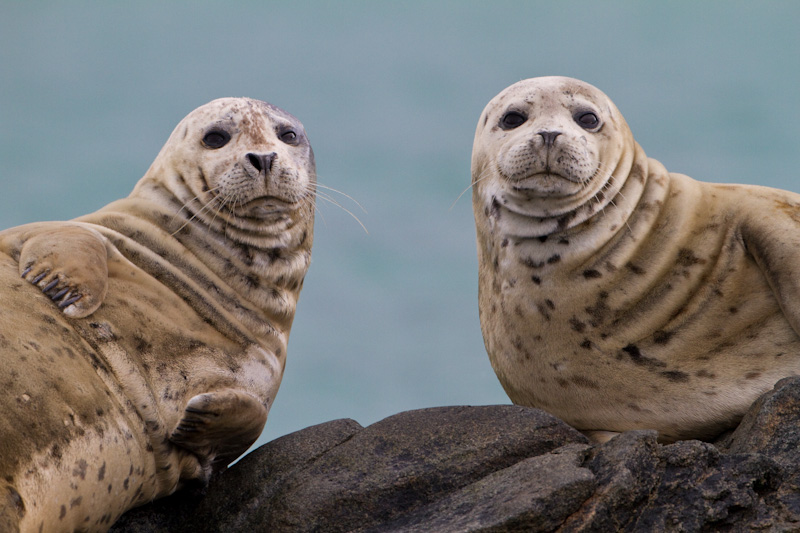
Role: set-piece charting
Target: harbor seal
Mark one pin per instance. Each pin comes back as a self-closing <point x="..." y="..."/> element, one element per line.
<point x="617" y="295"/>
<point x="142" y="345"/>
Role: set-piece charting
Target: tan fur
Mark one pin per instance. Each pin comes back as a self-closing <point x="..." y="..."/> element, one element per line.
<point x="177" y="305"/>
<point x="617" y="295"/>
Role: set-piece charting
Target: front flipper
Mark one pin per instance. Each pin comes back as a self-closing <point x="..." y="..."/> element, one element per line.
<point x="69" y="264"/>
<point x="219" y="426"/>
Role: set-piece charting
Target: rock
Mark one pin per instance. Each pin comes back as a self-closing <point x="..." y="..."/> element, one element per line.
<point x="501" y="468"/>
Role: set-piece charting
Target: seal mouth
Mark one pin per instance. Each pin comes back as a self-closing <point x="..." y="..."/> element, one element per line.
<point x="546" y="183"/>
<point x="265" y="207"/>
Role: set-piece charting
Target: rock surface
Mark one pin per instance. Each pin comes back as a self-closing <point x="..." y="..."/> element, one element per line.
<point x="500" y="468"/>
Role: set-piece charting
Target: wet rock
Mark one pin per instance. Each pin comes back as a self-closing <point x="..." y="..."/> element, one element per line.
<point x="501" y="468"/>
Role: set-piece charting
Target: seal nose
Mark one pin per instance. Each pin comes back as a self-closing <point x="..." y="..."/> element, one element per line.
<point x="262" y="162"/>
<point x="549" y="137"/>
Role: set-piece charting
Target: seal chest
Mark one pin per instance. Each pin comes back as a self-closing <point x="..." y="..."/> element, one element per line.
<point x="615" y="294"/>
<point x="145" y="343"/>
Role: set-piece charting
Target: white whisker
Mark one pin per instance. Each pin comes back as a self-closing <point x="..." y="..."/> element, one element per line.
<point x="343" y="194"/>
<point x="328" y="198"/>
<point x="484" y="175"/>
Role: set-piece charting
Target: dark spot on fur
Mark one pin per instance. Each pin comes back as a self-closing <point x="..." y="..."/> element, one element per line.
<point x="599" y="311"/>
<point x="555" y="258"/>
<point x="591" y="274"/>
<point x="550" y="304"/>
<point x="75" y="502"/>
<point x="634" y="268"/>
<point x="274" y="254"/>
<point x="536" y="279"/>
<point x="543" y="238"/>
<point x="562" y="382"/>
<point x="102" y="472"/>
<point x="563" y="241"/>
<point x="504" y="243"/>
<point x="585" y="382"/>
<point x="126" y="483"/>
<point x="752" y="375"/>
<point x="687" y="258"/>
<point x="63" y="512"/>
<point x="637" y="357"/>
<point x="530" y="263"/>
<point x="703" y="373"/>
<point x="80" y="469"/>
<point x="577" y="325"/>
<point x="662" y="337"/>
<point x="676" y="376"/>
<point x="733" y="310"/>
<point x="564" y="221"/>
<point x="543" y="309"/>
<point x="586" y="344"/>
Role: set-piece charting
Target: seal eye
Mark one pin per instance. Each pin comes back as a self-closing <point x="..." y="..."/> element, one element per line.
<point x="216" y="138"/>
<point x="289" y="137"/>
<point x="512" y="119"/>
<point x="587" y="120"/>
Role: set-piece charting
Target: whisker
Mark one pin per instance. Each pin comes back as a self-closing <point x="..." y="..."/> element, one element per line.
<point x="343" y="194"/>
<point x="205" y="207"/>
<point x="484" y="175"/>
<point x="324" y="196"/>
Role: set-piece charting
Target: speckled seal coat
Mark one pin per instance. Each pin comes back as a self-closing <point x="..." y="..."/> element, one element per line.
<point x="617" y="295"/>
<point x="144" y="344"/>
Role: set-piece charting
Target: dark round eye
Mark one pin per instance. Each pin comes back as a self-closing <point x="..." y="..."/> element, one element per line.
<point x="512" y="119"/>
<point x="587" y="119"/>
<point x="289" y="137"/>
<point x="216" y="138"/>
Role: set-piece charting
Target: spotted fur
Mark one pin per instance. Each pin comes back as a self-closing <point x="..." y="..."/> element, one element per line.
<point x="144" y="343"/>
<point x="615" y="294"/>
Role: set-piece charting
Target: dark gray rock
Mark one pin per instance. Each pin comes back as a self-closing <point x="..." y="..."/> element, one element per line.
<point x="501" y="468"/>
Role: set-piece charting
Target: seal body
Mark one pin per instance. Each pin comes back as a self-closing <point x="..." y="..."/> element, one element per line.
<point x="143" y="344"/>
<point x="617" y="295"/>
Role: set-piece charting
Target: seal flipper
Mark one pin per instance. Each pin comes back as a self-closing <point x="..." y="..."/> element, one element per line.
<point x="69" y="264"/>
<point x="219" y="426"/>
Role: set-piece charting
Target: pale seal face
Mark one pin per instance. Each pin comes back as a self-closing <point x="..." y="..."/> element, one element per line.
<point x="239" y="163"/>
<point x="615" y="294"/>
<point x="547" y="147"/>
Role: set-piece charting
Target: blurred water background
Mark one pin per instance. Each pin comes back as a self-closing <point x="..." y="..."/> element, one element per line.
<point x="390" y="93"/>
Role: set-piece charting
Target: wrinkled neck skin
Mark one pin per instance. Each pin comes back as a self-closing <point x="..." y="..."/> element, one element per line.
<point x="594" y="216"/>
<point x="252" y="267"/>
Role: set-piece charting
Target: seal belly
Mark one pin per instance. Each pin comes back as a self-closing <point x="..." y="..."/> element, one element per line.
<point x="59" y="418"/>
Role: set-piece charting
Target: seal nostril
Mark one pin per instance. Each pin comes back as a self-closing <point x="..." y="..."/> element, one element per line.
<point x="262" y="162"/>
<point x="549" y="137"/>
<point x="255" y="161"/>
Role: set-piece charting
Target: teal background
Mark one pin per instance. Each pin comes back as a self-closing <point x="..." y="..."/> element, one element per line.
<point x="390" y="94"/>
